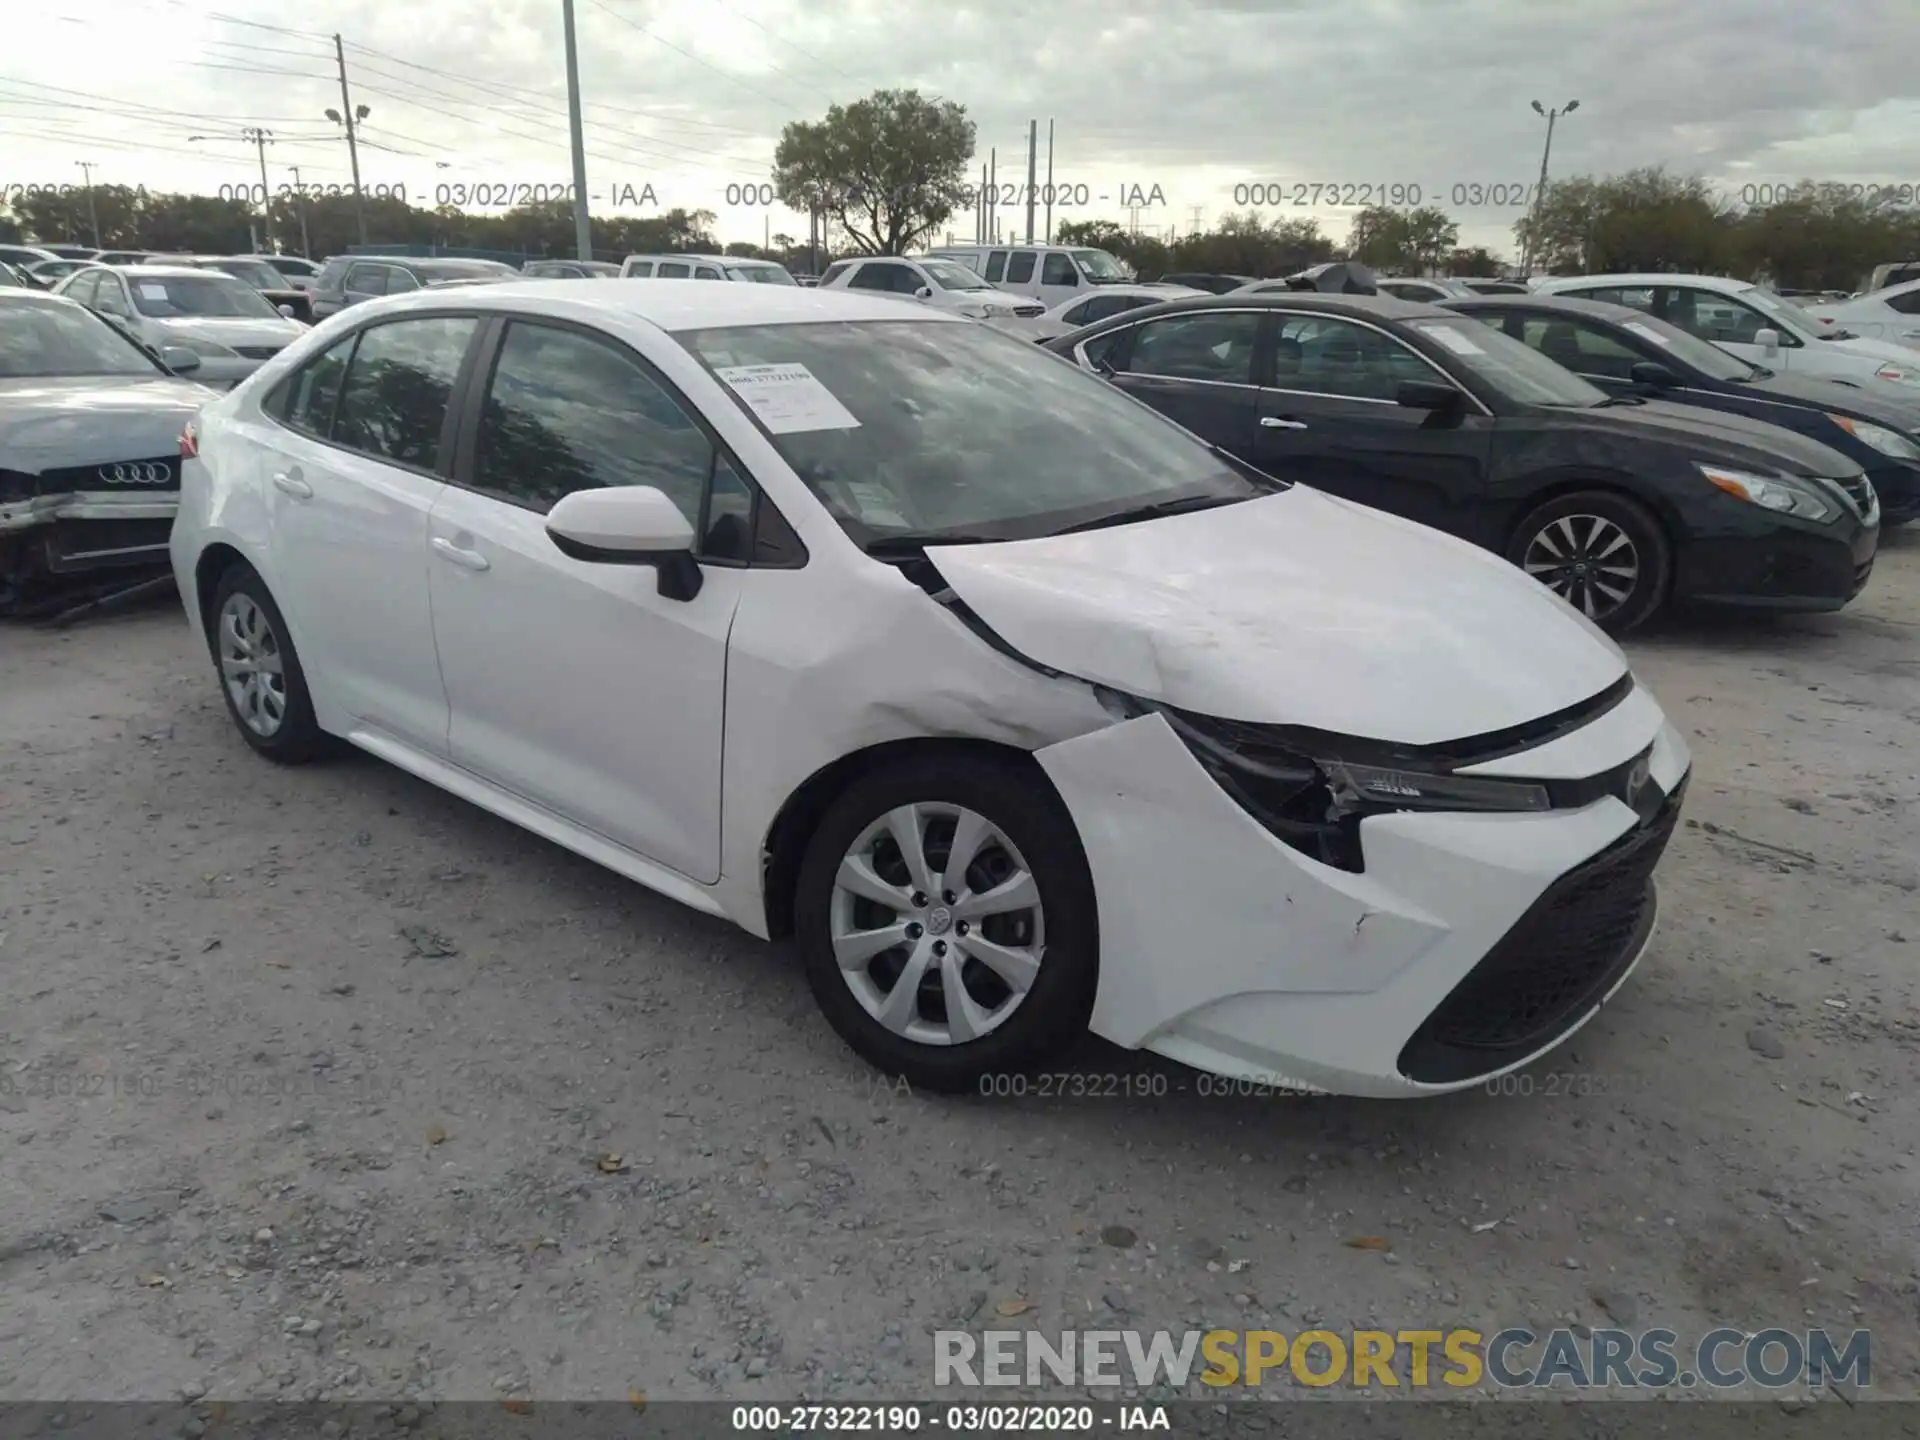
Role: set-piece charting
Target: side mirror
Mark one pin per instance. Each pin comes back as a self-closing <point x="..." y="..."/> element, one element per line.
<point x="288" y="311"/>
<point x="1768" y="339"/>
<point x="628" y="525"/>
<point x="1653" y="375"/>
<point x="179" y="359"/>
<point x="1426" y="395"/>
<point x="925" y="292"/>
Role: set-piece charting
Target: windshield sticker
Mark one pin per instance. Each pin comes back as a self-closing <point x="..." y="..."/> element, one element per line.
<point x="1453" y="339"/>
<point x="1645" y="332"/>
<point x="151" y="291"/>
<point x="787" y="399"/>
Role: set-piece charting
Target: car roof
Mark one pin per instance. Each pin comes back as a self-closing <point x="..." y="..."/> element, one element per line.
<point x="695" y="255"/>
<point x="159" y="272"/>
<point x="1646" y="279"/>
<point x="1555" y="304"/>
<point x="676" y="307"/>
<point x="1358" y="307"/>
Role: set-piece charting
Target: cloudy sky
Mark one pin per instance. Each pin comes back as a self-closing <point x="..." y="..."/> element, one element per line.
<point x="1194" y="100"/>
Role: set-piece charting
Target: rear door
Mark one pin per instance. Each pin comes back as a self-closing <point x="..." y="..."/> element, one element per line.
<point x="1328" y="418"/>
<point x="1197" y="369"/>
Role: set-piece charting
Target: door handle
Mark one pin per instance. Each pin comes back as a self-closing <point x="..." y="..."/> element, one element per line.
<point x="290" y="482"/>
<point x="1276" y="422"/>
<point x="465" y="559"/>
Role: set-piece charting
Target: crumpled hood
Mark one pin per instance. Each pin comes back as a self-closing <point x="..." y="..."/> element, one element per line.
<point x="1295" y="609"/>
<point x="54" y="424"/>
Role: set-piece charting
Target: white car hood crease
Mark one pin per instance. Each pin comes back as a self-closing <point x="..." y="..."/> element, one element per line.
<point x="1295" y="609"/>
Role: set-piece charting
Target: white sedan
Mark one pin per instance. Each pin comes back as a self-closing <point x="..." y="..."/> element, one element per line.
<point x="934" y="282"/>
<point x="1022" y="710"/>
<point x="1892" y="314"/>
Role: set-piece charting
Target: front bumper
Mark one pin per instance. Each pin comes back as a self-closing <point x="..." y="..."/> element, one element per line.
<point x="1897" y="483"/>
<point x="1467" y="948"/>
<point x="1764" y="560"/>
<point x="86" y="530"/>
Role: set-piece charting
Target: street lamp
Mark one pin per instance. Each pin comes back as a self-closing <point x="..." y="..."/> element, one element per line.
<point x="1540" y="192"/>
<point x="87" y="167"/>
<point x="346" y="116"/>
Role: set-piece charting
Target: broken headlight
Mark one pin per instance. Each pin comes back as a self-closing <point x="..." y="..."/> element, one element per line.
<point x="1312" y="796"/>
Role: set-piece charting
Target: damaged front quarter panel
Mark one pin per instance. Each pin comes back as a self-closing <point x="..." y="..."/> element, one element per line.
<point x="824" y="665"/>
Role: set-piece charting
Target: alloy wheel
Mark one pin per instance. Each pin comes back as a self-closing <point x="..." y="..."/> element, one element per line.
<point x="937" y="924"/>
<point x="1587" y="560"/>
<point x="252" y="666"/>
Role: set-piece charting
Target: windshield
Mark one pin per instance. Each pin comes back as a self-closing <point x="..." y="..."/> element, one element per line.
<point x="1098" y="265"/>
<point x="1784" y="310"/>
<point x="217" y="296"/>
<point x="761" y="274"/>
<point x="257" y="273"/>
<point x="951" y="276"/>
<point x="48" y="340"/>
<point x="1690" y="349"/>
<point x="933" y="430"/>
<point x="1509" y="368"/>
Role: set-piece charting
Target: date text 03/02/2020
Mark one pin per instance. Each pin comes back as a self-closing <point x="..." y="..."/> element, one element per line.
<point x="1392" y="194"/>
<point x="955" y="1419"/>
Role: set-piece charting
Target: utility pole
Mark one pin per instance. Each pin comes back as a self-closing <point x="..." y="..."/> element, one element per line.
<point x="1197" y="211"/>
<point x="346" y="116"/>
<point x="261" y="139"/>
<point x="1540" y="193"/>
<point x="300" y="205"/>
<point x="1049" y="234"/>
<point x="582" y="224"/>
<point x="980" y="209"/>
<point x="93" y="213"/>
<point x="1033" y="157"/>
<point x="993" y="197"/>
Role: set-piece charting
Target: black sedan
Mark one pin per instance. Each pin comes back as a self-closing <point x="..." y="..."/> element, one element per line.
<point x="1631" y="353"/>
<point x="1619" y="506"/>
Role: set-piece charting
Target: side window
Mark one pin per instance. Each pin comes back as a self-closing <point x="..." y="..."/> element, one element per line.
<point x="996" y="267"/>
<point x="871" y="276"/>
<point x="1019" y="267"/>
<point x="1907" y="304"/>
<point x="1719" y="318"/>
<point x="112" y="297"/>
<point x="1081" y="313"/>
<point x="1330" y="356"/>
<point x="835" y="271"/>
<point x="1058" y="270"/>
<point x="367" y="280"/>
<point x="400" y="281"/>
<point x="1580" y="348"/>
<point x="672" y="270"/>
<point x="729" y="532"/>
<point x="706" y="272"/>
<point x="1104" y="347"/>
<point x="642" y="270"/>
<point x="1208" y="345"/>
<point x="566" y="412"/>
<point x="83" y="288"/>
<point x="394" y="402"/>
<point x="313" y="392"/>
<point x="1641" y="299"/>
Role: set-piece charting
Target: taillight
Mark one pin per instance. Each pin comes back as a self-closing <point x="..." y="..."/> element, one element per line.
<point x="189" y="443"/>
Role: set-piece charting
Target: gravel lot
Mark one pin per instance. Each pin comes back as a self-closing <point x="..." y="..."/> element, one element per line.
<point x="321" y="1082"/>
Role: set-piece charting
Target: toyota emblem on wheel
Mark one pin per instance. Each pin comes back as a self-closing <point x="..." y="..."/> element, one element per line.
<point x="143" y="472"/>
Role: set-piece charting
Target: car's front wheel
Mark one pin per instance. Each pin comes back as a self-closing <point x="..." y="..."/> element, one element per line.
<point x="946" y="917"/>
<point x="260" y="674"/>
<point x="1604" y="554"/>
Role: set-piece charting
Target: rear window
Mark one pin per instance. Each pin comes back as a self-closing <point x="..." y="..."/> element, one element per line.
<point x="331" y="275"/>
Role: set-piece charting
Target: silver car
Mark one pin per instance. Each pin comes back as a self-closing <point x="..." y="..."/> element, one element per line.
<point x="89" y="445"/>
<point x="226" y="323"/>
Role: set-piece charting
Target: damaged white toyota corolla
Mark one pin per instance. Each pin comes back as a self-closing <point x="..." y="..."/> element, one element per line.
<point x="1023" y="710"/>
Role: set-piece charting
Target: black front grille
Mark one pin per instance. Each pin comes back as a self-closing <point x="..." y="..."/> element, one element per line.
<point x="1552" y="966"/>
<point x="1860" y="491"/>
<point x="258" y="352"/>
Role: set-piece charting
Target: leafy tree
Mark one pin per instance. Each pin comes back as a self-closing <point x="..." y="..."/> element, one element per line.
<point x="1643" y="220"/>
<point x="888" y="170"/>
<point x="1389" y="239"/>
<point x="1475" y="260"/>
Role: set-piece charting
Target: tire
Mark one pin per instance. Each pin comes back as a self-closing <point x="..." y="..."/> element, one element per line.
<point x="245" y="623"/>
<point x="1589" y="526"/>
<point x="1030" y="833"/>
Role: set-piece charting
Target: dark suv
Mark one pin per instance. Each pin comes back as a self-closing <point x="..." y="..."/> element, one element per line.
<point x="348" y="279"/>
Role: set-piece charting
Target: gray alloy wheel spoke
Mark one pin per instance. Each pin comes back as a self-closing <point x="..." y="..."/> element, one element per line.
<point x="251" y="665"/>
<point x="925" y="968"/>
<point x="1587" y="560"/>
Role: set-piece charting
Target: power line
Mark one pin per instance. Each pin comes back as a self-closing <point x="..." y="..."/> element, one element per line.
<point x="723" y="74"/>
<point x="788" y="43"/>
